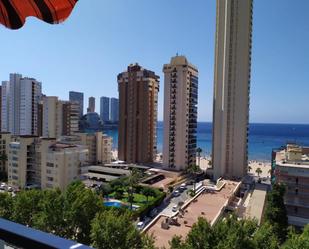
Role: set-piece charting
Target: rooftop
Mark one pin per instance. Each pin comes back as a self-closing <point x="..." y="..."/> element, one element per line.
<point x="208" y="205"/>
<point x="293" y="156"/>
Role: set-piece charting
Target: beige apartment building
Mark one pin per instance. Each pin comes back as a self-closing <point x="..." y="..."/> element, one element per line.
<point x="59" y="117"/>
<point x="44" y="163"/>
<point x="180" y="113"/>
<point x="5" y="139"/>
<point x="22" y="167"/>
<point x="232" y="88"/>
<point x="62" y="164"/>
<point x="98" y="144"/>
<point x="138" y="103"/>
<point x="290" y="165"/>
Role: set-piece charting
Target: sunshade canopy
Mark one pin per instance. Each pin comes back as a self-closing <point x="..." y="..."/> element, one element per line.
<point x="13" y="13"/>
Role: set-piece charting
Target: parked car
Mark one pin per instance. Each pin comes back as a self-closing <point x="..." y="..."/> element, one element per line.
<point x="183" y="187"/>
<point x="175" y="208"/>
<point x="153" y="213"/>
<point x="176" y="193"/>
<point x="140" y="225"/>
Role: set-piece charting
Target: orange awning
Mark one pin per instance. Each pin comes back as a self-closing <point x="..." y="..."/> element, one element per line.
<point x="13" y="13"/>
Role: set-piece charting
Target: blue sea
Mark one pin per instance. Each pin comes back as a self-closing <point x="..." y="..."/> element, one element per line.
<point x="262" y="138"/>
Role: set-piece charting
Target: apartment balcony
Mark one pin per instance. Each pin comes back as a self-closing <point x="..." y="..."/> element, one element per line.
<point x="194" y="126"/>
<point x="14" y="235"/>
<point x="296" y="202"/>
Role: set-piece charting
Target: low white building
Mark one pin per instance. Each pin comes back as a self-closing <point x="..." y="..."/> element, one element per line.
<point x="44" y="162"/>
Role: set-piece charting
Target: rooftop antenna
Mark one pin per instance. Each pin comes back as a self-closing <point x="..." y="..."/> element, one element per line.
<point x="177" y="54"/>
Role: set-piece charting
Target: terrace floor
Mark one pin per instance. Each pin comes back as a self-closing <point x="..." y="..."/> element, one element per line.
<point x="207" y="205"/>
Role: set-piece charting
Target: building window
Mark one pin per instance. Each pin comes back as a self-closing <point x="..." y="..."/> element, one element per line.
<point x="296" y="191"/>
<point x="50" y="179"/>
<point x="295" y="210"/>
<point x="50" y="165"/>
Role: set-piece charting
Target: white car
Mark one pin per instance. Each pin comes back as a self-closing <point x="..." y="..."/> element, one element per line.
<point x="140" y="225"/>
<point x="176" y="193"/>
<point x="183" y="187"/>
<point x="175" y="208"/>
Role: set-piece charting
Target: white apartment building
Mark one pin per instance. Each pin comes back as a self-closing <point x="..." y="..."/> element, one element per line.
<point x="98" y="144"/>
<point x="22" y="167"/>
<point x="290" y="166"/>
<point x="19" y="109"/>
<point x="59" y="117"/>
<point x="180" y="113"/>
<point x="44" y="162"/>
<point x="232" y="88"/>
<point x="62" y="164"/>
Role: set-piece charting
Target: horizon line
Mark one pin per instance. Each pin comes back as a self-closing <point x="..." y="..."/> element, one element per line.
<point x="283" y="123"/>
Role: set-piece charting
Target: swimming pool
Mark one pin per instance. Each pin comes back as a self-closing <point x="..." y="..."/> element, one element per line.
<point x="116" y="204"/>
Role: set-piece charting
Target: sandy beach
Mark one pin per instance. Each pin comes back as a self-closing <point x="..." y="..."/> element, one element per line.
<point x="204" y="164"/>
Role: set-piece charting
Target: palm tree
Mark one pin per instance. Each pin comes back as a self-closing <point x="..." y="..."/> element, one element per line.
<point x="132" y="181"/>
<point x="193" y="170"/>
<point x="199" y="151"/>
<point x="258" y="171"/>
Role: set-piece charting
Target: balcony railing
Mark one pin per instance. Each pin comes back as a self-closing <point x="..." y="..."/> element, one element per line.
<point x="18" y="236"/>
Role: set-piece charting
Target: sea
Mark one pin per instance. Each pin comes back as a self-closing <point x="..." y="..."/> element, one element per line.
<point x="263" y="138"/>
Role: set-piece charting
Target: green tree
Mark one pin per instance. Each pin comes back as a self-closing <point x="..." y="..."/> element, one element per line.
<point x="25" y="207"/>
<point x="80" y="208"/>
<point x="265" y="238"/>
<point x="297" y="241"/>
<point x="148" y="192"/>
<point x="148" y="241"/>
<point x="231" y="233"/>
<point x="275" y="212"/>
<point x="258" y="171"/>
<point x="119" y="193"/>
<point x="131" y="182"/>
<point x="6" y="205"/>
<point x="113" y="230"/>
<point x="50" y="217"/>
<point x="105" y="190"/>
<point x="117" y="183"/>
<point x="228" y="233"/>
<point x="201" y="235"/>
<point x="177" y="243"/>
<point x="193" y="170"/>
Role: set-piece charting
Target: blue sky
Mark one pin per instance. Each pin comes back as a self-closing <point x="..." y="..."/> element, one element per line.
<point x="102" y="37"/>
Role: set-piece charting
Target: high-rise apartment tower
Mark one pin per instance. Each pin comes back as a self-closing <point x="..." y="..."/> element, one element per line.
<point x="78" y="97"/>
<point x="20" y="100"/>
<point x="114" y="115"/>
<point x="232" y="88"/>
<point x="104" y="109"/>
<point x="180" y="113"/>
<point x="91" y="104"/>
<point x="138" y="101"/>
